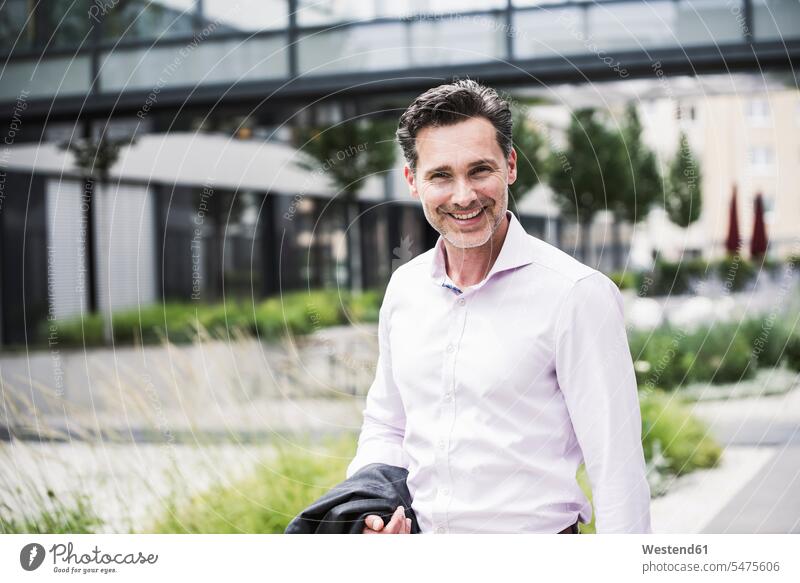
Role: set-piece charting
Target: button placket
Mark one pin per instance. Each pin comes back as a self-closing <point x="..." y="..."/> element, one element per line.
<point x="444" y="490"/>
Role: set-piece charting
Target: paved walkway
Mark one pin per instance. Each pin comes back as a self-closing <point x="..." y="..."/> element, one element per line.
<point x="757" y="487"/>
<point x="769" y="502"/>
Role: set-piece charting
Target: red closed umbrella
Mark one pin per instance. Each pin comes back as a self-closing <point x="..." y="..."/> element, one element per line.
<point x="758" y="244"/>
<point x="734" y="241"/>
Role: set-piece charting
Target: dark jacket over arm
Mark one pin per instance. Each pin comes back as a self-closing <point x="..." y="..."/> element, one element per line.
<point x="374" y="489"/>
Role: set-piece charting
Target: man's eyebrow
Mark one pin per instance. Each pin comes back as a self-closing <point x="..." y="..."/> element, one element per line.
<point x="442" y="168"/>
<point x="448" y="168"/>
<point x="481" y="162"/>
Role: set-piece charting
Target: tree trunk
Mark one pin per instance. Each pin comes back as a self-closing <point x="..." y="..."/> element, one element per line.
<point x="354" y="246"/>
<point x="583" y="234"/>
<point x="616" y="242"/>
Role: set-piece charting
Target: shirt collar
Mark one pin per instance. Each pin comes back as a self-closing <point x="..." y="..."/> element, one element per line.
<point x="516" y="252"/>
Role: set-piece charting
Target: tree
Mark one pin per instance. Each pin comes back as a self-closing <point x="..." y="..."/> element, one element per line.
<point x="580" y="174"/>
<point x="641" y="179"/>
<point x="683" y="197"/>
<point x="532" y="156"/>
<point x="349" y="153"/>
<point x="94" y="158"/>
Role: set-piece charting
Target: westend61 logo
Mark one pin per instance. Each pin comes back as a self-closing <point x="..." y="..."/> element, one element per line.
<point x="32" y="556"/>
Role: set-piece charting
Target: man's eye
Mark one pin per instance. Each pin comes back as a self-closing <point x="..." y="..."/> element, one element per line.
<point x="482" y="170"/>
<point x="439" y="175"/>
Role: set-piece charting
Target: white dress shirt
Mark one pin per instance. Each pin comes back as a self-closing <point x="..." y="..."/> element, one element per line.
<point x="492" y="396"/>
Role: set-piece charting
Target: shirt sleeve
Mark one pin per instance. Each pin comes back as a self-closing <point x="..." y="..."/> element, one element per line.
<point x="595" y="373"/>
<point x="383" y="429"/>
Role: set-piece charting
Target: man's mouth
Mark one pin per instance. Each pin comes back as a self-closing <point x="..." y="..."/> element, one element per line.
<point x="465" y="216"/>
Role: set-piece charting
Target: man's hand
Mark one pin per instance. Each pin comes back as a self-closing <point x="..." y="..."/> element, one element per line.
<point x="398" y="524"/>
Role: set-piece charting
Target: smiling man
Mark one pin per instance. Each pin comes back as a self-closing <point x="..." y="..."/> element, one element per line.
<point x="503" y="361"/>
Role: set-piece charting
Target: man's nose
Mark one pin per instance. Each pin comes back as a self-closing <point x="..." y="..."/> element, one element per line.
<point x="463" y="194"/>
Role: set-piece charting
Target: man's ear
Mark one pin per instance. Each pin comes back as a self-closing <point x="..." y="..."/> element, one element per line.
<point x="512" y="166"/>
<point x="408" y="173"/>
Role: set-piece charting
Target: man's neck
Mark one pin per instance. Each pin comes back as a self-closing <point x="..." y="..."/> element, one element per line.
<point x="467" y="267"/>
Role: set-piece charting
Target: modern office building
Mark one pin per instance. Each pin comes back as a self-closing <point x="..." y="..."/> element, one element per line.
<point x="203" y="197"/>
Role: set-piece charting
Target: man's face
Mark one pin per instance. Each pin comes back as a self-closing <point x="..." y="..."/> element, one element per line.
<point x="462" y="180"/>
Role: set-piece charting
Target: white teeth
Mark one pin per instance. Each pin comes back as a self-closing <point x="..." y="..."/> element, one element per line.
<point x="467" y="216"/>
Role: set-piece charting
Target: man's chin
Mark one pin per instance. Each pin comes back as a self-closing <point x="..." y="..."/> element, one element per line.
<point x="467" y="241"/>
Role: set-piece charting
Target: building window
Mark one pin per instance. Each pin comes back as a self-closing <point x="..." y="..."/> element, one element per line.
<point x="245" y="15"/>
<point x="769" y="208"/>
<point x="145" y="21"/>
<point x="16" y="25"/>
<point x="761" y="159"/>
<point x="757" y="112"/>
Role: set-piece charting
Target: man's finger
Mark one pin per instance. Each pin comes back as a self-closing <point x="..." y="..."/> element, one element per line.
<point x="408" y="526"/>
<point x="374" y="522"/>
<point x="397" y="523"/>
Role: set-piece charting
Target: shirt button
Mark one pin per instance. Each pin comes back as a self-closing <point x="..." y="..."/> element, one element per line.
<point x="447" y="397"/>
<point x="440" y="530"/>
<point x="461" y="301"/>
<point x="441" y="444"/>
<point x="450" y="348"/>
<point x="445" y="492"/>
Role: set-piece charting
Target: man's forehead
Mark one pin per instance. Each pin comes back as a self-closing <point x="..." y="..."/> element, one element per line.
<point x="470" y="141"/>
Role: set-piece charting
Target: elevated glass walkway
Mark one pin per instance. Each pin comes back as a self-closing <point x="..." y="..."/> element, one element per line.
<point x="94" y="56"/>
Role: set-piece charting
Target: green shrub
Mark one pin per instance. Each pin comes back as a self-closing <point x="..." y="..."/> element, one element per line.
<point x="661" y="358"/>
<point x="364" y="307"/>
<point x="323" y="308"/>
<point x="723" y="353"/>
<point x="675" y="278"/>
<point x="75" y="331"/>
<point x="670" y="279"/>
<point x="684" y="440"/>
<point x="296" y="313"/>
<point x="767" y="338"/>
<point x="269" y="319"/>
<point x="719" y="354"/>
<point x="792" y="353"/>
<point x="269" y="499"/>
<point x="625" y="279"/>
<point x="735" y="272"/>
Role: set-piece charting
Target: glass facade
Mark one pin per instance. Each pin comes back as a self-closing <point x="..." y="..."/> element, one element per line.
<point x="246" y="15"/>
<point x="23" y="257"/>
<point x="327" y="12"/>
<point x="69" y="23"/>
<point x="311" y="245"/>
<point x="51" y="77"/>
<point x="708" y="22"/>
<point x="212" y="243"/>
<point x="548" y="33"/>
<point x="16" y="28"/>
<point x="373" y="47"/>
<point x="145" y="44"/>
<point x="554" y="30"/>
<point x="632" y="25"/>
<point x="225" y="61"/>
<point x="145" y="20"/>
<point x="776" y="19"/>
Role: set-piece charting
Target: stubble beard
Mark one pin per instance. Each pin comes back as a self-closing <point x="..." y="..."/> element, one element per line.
<point x="455" y="238"/>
